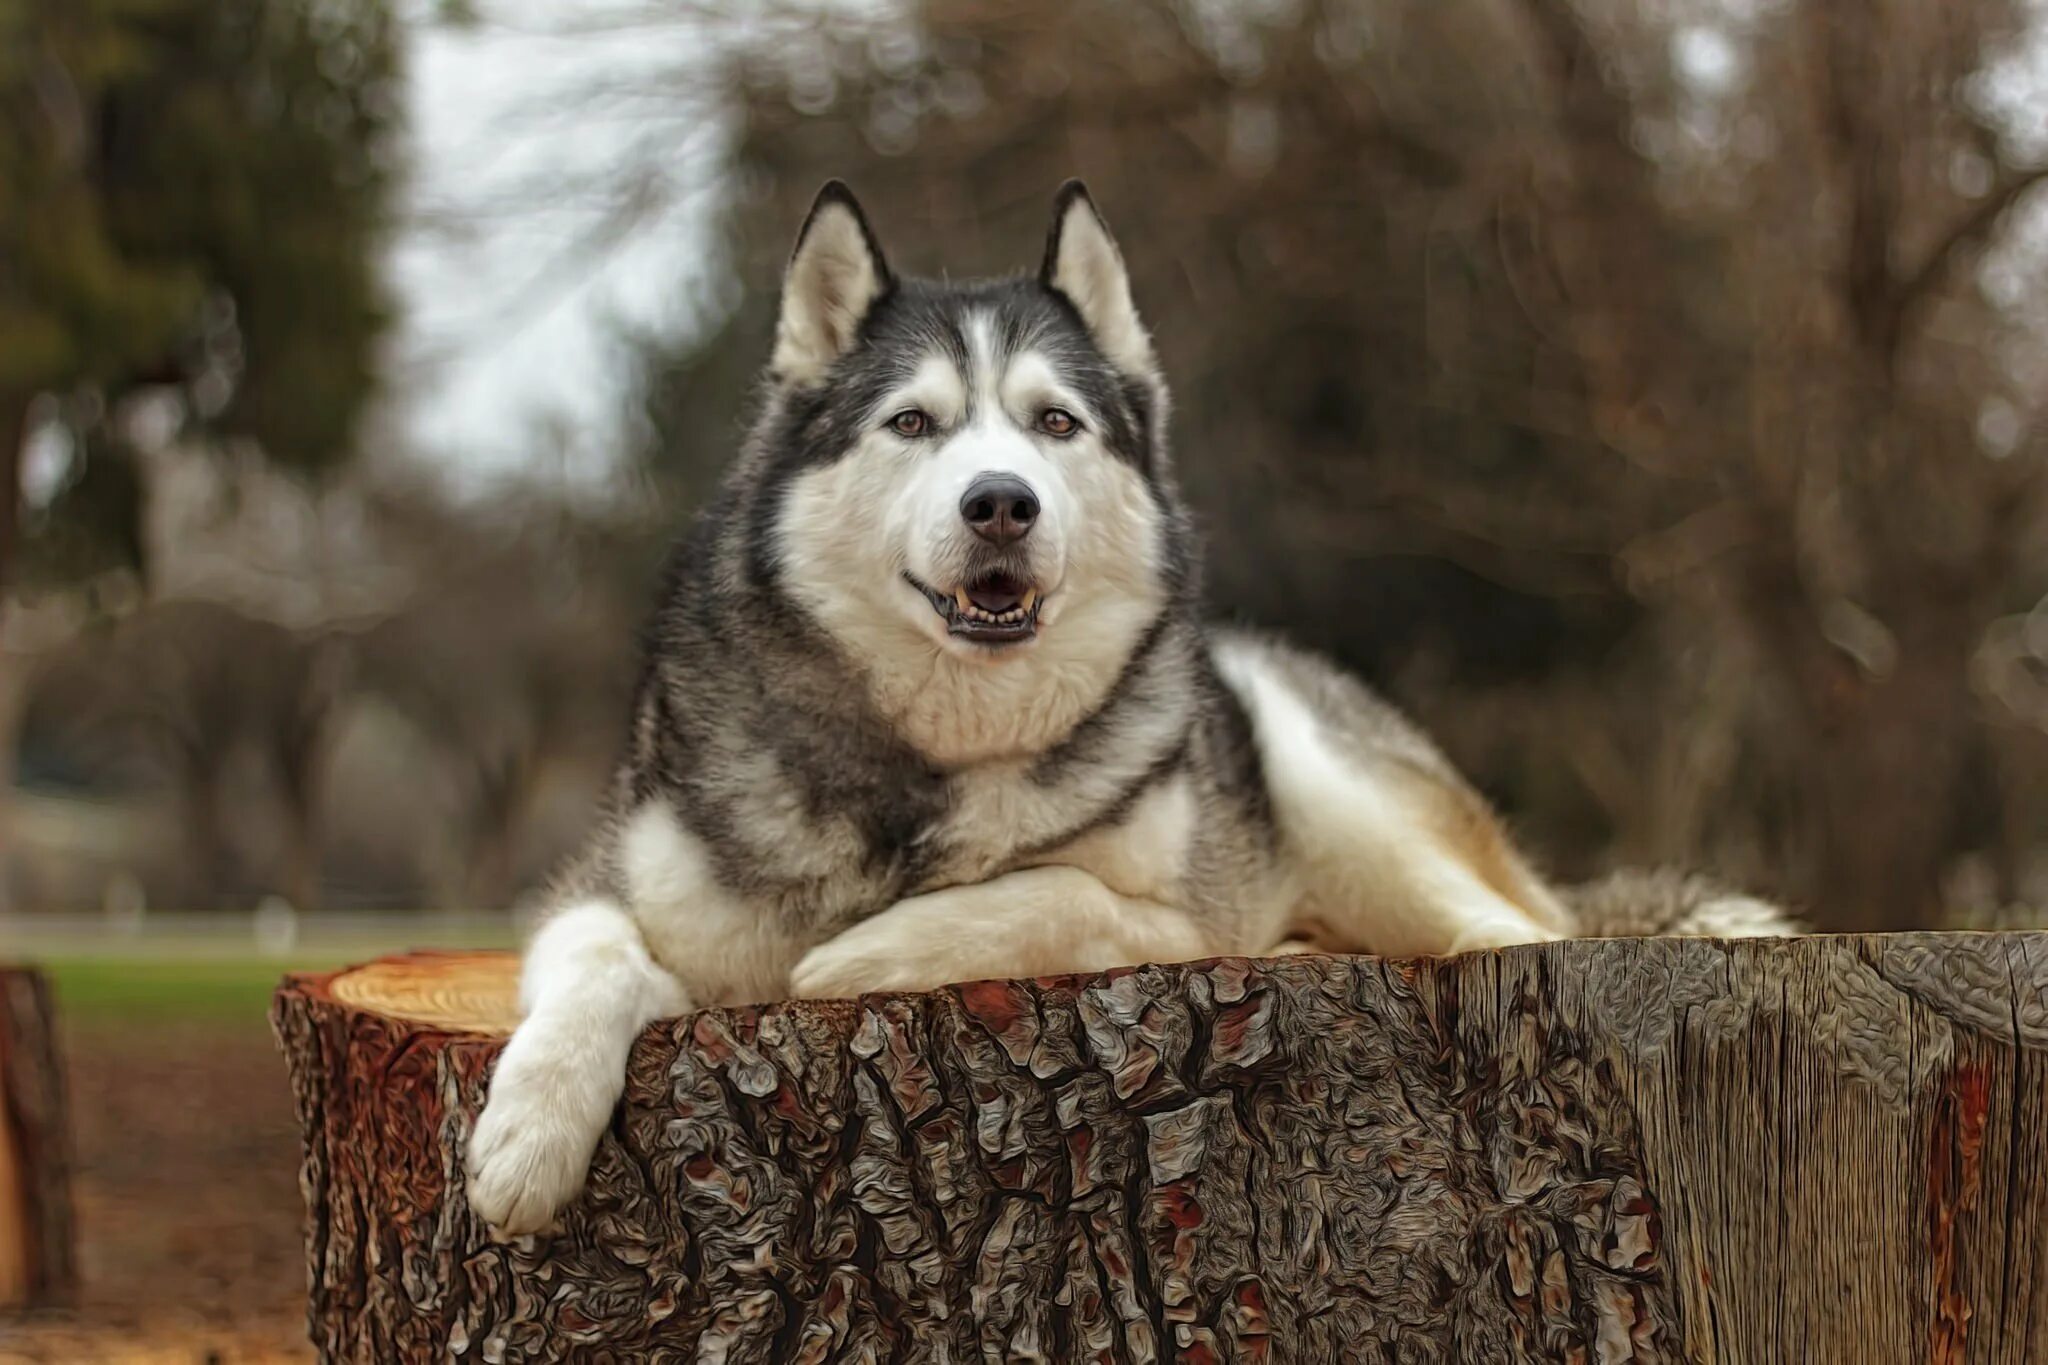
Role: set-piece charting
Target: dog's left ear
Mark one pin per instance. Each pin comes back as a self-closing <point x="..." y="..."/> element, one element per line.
<point x="1083" y="265"/>
<point x="835" y="276"/>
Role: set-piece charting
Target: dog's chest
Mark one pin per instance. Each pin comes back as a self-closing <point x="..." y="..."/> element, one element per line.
<point x="1000" y="819"/>
<point x="991" y="816"/>
<point x="854" y="848"/>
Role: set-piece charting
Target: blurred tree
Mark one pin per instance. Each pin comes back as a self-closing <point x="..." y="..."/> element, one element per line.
<point x="550" y="599"/>
<point x="1809" y="425"/>
<point x="191" y="194"/>
<point x="182" y="690"/>
<point x="694" y="402"/>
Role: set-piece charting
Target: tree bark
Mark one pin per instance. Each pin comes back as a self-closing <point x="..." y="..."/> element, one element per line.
<point x="36" y="1266"/>
<point x="1822" y="1149"/>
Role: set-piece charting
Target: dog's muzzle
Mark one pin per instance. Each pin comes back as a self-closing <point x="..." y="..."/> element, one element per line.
<point x="997" y="607"/>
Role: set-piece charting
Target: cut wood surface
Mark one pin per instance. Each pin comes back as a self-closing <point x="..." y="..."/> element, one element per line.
<point x="36" y="1266"/>
<point x="1821" y="1149"/>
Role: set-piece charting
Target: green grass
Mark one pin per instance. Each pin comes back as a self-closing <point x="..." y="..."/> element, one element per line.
<point x="115" y="990"/>
<point x="167" y="977"/>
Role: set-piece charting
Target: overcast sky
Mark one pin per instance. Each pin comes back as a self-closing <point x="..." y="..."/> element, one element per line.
<point x="560" y="180"/>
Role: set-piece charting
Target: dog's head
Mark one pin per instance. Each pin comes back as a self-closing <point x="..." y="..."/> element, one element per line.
<point x="970" y="473"/>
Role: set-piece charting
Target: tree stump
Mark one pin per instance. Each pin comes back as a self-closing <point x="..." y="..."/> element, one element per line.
<point x="36" y="1266"/>
<point x="1820" y="1149"/>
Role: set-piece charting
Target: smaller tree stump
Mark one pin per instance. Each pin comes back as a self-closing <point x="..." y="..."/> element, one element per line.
<point x="36" y="1261"/>
<point x="1821" y="1149"/>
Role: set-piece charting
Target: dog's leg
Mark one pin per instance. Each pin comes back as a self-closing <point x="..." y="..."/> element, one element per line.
<point x="1386" y="856"/>
<point x="589" y="987"/>
<point x="1448" y="907"/>
<point x="1376" y="879"/>
<point x="1038" y="922"/>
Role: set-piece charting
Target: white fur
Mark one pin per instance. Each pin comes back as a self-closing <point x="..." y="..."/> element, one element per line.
<point x="1733" y="916"/>
<point x="832" y="281"/>
<point x="1146" y="854"/>
<point x="727" y="952"/>
<point x="594" y="976"/>
<point x="1366" y="865"/>
<point x="998" y="809"/>
<point x="1094" y="554"/>
<point x="588" y="988"/>
<point x="1031" y="923"/>
<point x="1089" y="270"/>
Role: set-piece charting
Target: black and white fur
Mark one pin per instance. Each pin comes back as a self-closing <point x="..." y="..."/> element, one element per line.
<point x="856" y="765"/>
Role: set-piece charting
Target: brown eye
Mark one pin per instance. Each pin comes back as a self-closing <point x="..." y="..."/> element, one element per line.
<point x="910" y="422"/>
<point x="1057" y="422"/>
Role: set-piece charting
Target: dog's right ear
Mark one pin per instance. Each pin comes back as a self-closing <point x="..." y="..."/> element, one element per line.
<point x="835" y="276"/>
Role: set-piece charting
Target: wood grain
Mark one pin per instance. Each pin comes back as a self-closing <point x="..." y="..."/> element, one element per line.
<point x="36" y="1261"/>
<point x="1823" y="1149"/>
<point x="450" y="992"/>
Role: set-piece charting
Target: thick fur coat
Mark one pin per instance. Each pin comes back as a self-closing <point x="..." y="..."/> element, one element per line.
<point x="929" y="698"/>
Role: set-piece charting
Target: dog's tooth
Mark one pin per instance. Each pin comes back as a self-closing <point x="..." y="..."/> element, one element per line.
<point x="1030" y="596"/>
<point x="960" y="599"/>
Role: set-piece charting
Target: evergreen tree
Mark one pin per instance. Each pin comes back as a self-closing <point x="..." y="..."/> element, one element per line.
<point x="192" y="193"/>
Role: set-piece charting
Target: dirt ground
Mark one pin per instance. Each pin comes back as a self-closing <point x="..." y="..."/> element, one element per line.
<point x="187" y="1196"/>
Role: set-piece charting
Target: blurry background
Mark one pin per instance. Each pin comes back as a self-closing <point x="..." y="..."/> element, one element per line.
<point x="1644" y="393"/>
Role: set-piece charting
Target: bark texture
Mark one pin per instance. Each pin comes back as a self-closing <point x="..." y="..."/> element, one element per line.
<point x="1822" y="1149"/>
<point x="36" y="1262"/>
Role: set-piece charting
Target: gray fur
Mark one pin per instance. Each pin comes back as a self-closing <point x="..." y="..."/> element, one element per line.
<point x="1639" y="903"/>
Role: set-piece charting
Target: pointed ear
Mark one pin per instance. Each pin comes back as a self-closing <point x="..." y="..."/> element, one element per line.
<point x="1083" y="265"/>
<point x="835" y="276"/>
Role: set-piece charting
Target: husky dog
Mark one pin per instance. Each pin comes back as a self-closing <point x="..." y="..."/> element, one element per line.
<point x="928" y="699"/>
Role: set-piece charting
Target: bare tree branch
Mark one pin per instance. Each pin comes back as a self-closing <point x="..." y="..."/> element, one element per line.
<point x="1845" y="84"/>
<point x="1967" y="235"/>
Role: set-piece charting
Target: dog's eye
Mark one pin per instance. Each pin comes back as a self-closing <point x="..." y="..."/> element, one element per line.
<point x="1057" y="422"/>
<point x="910" y="422"/>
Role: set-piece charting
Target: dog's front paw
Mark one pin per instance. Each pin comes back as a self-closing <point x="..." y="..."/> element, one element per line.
<point x="531" y="1149"/>
<point x="840" y="968"/>
<point x="900" y="950"/>
<point x="1482" y="934"/>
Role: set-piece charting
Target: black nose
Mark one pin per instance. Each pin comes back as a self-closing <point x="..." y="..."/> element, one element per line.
<point x="1000" y="507"/>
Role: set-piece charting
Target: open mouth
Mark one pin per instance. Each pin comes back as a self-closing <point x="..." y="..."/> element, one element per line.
<point x="996" y="608"/>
